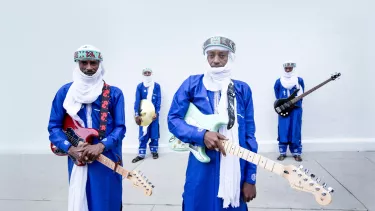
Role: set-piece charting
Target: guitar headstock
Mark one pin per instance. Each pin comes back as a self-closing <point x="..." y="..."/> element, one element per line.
<point x="139" y="180"/>
<point x="335" y="76"/>
<point x="299" y="180"/>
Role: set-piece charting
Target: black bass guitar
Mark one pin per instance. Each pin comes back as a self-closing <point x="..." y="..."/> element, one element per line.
<point x="284" y="106"/>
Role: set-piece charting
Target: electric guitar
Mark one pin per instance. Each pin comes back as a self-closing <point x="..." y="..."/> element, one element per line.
<point x="297" y="178"/>
<point x="284" y="106"/>
<point x="76" y="135"/>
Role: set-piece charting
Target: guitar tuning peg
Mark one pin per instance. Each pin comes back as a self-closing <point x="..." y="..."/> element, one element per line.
<point x="318" y="179"/>
<point x="312" y="176"/>
<point x="324" y="185"/>
<point x="306" y="171"/>
<point x="300" y="167"/>
<point x="152" y="186"/>
<point x="330" y="189"/>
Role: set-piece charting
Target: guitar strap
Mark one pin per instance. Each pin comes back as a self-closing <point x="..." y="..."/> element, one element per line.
<point x="231" y="96"/>
<point x="104" y="108"/>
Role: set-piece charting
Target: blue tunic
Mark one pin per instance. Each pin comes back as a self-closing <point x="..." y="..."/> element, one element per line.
<point x="103" y="188"/>
<point x="140" y="94"/>
<point x="202" y="179"/>
<point x="289" y="128"/>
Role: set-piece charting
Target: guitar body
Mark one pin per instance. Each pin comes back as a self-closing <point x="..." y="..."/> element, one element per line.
<point x="75" y="134"/>
<point x="284" y="106"/>
<point x="194" y="117"/>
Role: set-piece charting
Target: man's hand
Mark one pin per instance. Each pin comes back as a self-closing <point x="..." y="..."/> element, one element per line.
<point x="76" y="152"/>
<point x="154" y="117"/>
<point x="92" y="152"/>
<point x="249" y="191"/>
<point x="138" y="120"/>
<point x="213" y="140"/>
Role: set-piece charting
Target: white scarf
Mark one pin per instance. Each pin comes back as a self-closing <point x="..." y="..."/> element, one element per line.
<point x="84" y="90"/>
<point x="289" y="80"/>
<point x="218" y="79"/>
<point x="148" y="82"/>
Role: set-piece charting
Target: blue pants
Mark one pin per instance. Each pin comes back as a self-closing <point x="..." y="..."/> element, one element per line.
<point x="295" y="148"/>
<point x="154" y="144"/>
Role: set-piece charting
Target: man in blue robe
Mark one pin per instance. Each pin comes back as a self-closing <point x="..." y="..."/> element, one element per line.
<point x="94" y="186"/>
<point x="150" y="91"/>
<point x="289" y="127"/>
<point x="226" y="182"/>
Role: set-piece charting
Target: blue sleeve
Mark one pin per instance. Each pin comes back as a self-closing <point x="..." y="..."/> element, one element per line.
<point x="277" y="89"/>
<point x="137" y="101"/>
<point x="176" y="123"/>
<point x="118" y="132"/>
<point x="55" y="124"/>
<point x="250" y="168"/>
<point x="302" y="83"/>
<point x="158" y="99"/>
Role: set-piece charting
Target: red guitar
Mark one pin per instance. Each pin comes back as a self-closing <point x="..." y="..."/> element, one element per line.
<point x="76" y="134"/>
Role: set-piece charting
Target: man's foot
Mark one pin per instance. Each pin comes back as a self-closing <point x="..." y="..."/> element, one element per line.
<point x="155" y="155"/>
<point x="136" y="159"/>
<point x="297" y="158"/>
<point x="281" y="157"/>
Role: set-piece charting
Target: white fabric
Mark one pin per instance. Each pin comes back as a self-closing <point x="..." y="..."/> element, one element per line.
<point x="147" y="81"/>
<point x="289" y="80"/>
<point x="85" y="89"/>
<point x="77" y="189"/>
<point x="150" y="92"/>
<point x="230" y="171"/>
<point x="218" y="79"/>
<point x="78" y="179"/>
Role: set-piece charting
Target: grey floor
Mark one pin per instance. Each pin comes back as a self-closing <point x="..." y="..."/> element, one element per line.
<point x="39" y="182"/>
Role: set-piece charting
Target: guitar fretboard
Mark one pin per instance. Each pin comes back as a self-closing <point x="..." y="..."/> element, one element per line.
<point x="310" y="91"/>
<point x="110" y="164"/>
<point x="252" y="157"/>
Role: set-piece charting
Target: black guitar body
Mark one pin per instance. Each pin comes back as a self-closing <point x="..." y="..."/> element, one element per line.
<point x="284" y="106"/>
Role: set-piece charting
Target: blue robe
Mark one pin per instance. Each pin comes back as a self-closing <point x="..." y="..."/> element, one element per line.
<point x="153" y="129"/>
<point x="103" y="187"/>
<point x="289" y="128"/>
<point x="202" y="179"/>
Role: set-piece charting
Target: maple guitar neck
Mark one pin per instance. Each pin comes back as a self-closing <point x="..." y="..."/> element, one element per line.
<point x="110" y="164"/>
<point x="310" y="91"/>
<point x="254" y="158"/>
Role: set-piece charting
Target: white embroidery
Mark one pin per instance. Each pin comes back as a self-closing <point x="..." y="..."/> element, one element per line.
<point x="253" y="177"/>
<point x="66" y="142"/>
<point x="240" y="115"/>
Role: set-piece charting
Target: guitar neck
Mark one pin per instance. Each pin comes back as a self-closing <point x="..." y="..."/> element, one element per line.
<point x="310" y="91"/>
<point x="254" y="158"/>
<point x="110" y="164"/>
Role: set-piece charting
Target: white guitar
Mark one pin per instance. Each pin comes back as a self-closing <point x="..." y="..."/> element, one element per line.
<point x="297" y="178"/>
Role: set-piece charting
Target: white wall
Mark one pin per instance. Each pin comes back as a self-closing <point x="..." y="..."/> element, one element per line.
<point x="38" y="39"/>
